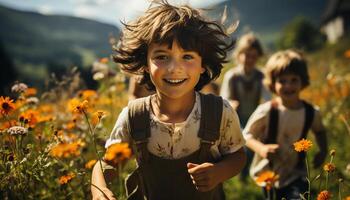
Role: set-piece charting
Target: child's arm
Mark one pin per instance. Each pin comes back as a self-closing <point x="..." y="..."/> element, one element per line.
<point x="99" y="188"/>
<point x="207" y="176"/>
<point x="264" y="150"/>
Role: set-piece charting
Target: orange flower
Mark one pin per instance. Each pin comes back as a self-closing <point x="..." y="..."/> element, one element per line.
<point x="87" y="94"/>
<point x="66" y="150"/>
<point x="268" y="178"/>
<point x="347" y="198"/>
<point x="347" y="54"/>
<point x="66" y="178"/>
<point x="90" y="164"/>
<point x="97" y="116"/>
<point x="104" y="60"/>
<point x="74" y="105"/>
<point x="117" y="153"/>
<point x="302" y="145"/>
<point x="329" y="167"/>
<point x="30" y="117"/>
<point x="30" y="92"/>
<point x="6" y="105"/>
<point x="324" y="195"/>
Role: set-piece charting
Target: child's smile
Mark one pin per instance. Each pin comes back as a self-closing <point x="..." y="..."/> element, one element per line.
<point x="174" y="71"/>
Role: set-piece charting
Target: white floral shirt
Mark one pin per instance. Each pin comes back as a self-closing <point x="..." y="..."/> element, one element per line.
<point x="177" y="140"/>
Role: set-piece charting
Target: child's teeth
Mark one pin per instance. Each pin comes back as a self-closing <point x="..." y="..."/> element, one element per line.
<point x="175" y="81"/>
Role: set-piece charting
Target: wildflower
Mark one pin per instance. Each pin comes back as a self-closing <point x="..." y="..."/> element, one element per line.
<point x="332" y="152"/>
<point x="324" y="195"/>
<point x="7" y="124"/>
<point x="6" y="105"/>
<point x="30" y="117"/>
<point x="74" y="105"/>
<point x="17" y="130"/>
<point x="117" y="153"/>
<point x="302" y="145"/>
<point x="347" y="54"/>
<point x="30" y="92"/>
<point x="32" y="100"/>
<point x="65" y="150"/>
<point x="104" y="60"/>
<point x="97" y="116"/>
<point x="87" y="94"/>
<point x="98" y="76"/>
<point x="329" y="167"/>
<point x="66" y="178"/>
<point x="347" y="198"/>
<point x="19" y="88"/>
<point x="90" y="164"/>
<point x="268" y="178"/>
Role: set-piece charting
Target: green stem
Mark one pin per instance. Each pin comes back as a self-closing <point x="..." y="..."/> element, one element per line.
<point x="308" y="177"/>
<point x="92" y="135"/>
<point x="339" y="191"/>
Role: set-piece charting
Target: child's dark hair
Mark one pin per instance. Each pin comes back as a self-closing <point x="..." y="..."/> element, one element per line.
<point x="163" y="23"/>
<point x="246" y="42"/>
<point x="286" y="62"/>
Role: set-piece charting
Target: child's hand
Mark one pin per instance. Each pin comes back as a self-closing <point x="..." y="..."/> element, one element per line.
<point x="104" y="194"/>
<point x="268" y="150"/>
<point x="203" y="176"/>
<point x="319" y="159"/>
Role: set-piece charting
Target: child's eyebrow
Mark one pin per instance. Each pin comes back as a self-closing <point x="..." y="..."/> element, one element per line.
<point x="159" y="51"/>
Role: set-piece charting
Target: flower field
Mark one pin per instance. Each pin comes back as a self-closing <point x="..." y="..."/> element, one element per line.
<point x="50" y="140"/>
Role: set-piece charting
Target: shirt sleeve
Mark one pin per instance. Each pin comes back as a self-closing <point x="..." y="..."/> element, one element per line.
<point x="257" y="122"/>
<point x="120" y="133"/>
<point x="231" y="138"/>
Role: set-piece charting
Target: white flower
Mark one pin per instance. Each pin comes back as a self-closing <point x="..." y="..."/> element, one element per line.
<point x="17" y="130"/>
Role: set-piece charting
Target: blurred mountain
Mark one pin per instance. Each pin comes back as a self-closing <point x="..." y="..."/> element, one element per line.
<point x="267" y="18"/>
<point x="39" y="44"/>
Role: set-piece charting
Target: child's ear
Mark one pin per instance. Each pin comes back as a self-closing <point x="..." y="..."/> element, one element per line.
<point x="203" y="70"/>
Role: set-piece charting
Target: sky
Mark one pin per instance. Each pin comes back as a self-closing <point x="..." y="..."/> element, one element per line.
<point x="108" y="11"/>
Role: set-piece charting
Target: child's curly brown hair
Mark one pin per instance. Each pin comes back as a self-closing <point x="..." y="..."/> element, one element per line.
<point x="163" y="23"/>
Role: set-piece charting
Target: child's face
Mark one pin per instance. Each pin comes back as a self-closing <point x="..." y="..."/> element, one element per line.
<point x="288" y="86"/>
<point x="248" y="58"/>
<point x="174" y="72"/>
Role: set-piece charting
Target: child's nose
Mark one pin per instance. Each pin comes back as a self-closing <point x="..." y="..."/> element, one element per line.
<point x="174" y="66"/>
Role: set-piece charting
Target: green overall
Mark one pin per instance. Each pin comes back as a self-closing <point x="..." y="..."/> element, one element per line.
<point x="158" y="178"/>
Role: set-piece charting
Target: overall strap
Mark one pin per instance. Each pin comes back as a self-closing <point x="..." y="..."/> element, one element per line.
<point x="259" y="77"/>
<point x="139" y="126"/>
<point x="273" y="124"/>
<point x="209" y="130"/>
<point x="233" y="87"/>
<point x="309" y="118"/>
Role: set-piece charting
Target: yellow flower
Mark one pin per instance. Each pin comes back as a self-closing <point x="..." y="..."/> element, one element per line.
<point x="332" y="152"/>
<point x="97" y="116"/>
<point x="30" y="92"/>
<point x="104" y="60"/>
<point x="87" y="94"/>
<point x="324" y="195"/>
<point x="6" y="105"/>
<point x="302" y="145"/>
<point x="117" y="153"/>
<point x="75" y="106"/>
<point x="329" y="167"/>
<point x="66" y="150"/>
<point x="90" y="164"/>
<point x="347" y="54"/>
<point x="66" y="178"/>
<point x="268" y="178"/>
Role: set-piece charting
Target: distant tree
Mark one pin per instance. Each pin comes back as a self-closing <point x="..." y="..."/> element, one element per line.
<point x="300" y="33"/>
<point x="8" y="72"/>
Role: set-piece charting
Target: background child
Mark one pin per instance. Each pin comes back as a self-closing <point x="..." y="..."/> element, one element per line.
<point x="243" y="85"/>
<point x="177" y="52"/>
<point x="271" y="136"/>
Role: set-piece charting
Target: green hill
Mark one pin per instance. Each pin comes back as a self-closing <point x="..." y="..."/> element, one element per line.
<point x="39" y="44"/>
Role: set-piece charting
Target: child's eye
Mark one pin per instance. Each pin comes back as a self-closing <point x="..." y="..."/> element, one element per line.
<point x="188" y="57"/>
<point x="161" y="57"/>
